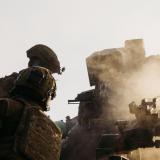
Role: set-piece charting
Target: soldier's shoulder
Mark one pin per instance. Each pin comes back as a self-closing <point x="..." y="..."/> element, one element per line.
<point x="9" y="77"/>
<point x="6" y="83"/>
<point x="32" y="134"/>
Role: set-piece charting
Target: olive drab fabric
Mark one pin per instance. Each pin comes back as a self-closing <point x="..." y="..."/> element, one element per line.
<point x="10" y="115"/>
<point x="37" y="137"/>
<point x="26" y="132"/>
<point x="47" y="57"/>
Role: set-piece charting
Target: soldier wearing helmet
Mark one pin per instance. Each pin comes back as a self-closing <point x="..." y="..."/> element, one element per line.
<point x="43" y="56"/>
<point x="25" y="131"/>
<point x="39" y="55"/>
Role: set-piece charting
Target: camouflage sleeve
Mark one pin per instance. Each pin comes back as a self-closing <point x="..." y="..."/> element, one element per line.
<point x="6" y="84"/>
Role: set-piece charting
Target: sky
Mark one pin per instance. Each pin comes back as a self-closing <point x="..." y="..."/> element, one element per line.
<point x="74" y="29"/>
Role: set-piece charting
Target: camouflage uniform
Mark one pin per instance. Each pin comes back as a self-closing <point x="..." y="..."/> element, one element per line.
<point x="26" y="133"/>
<point x="39" y="55"/>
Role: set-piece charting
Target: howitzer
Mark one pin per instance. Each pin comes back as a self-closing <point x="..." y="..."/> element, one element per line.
<point x="138" y="133"/>
<point x="148" y="107"/>
<point x="147" y="114"/>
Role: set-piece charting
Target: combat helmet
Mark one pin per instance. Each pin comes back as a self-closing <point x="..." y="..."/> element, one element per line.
<point x="37" y="84"/>
<point x="47" y="57"/>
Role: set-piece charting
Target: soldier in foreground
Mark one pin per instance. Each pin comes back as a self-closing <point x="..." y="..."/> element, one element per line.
<point x="26" y="133"/>
<point x="39" y="55"/>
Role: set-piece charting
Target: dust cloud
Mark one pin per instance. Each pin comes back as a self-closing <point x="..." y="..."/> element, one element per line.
<point x="128" y="74"/>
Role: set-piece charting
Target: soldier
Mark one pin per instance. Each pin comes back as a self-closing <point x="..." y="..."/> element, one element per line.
<point x="68" y="123"/>
<point x="26" y="133"/>
<point x="39" y="55"/>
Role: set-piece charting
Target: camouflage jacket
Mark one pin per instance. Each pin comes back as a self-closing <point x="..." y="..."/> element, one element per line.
<point x="26" y="132"/>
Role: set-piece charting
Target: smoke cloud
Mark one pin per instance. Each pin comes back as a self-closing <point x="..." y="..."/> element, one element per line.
<point x="128" y="74"/>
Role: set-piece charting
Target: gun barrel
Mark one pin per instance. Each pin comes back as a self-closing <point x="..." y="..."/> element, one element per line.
<point x="73" y="102"/>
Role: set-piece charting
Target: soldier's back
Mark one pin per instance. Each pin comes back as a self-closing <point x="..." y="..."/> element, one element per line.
<point x="10" y="114"/>
<point x="26" y="132"/>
